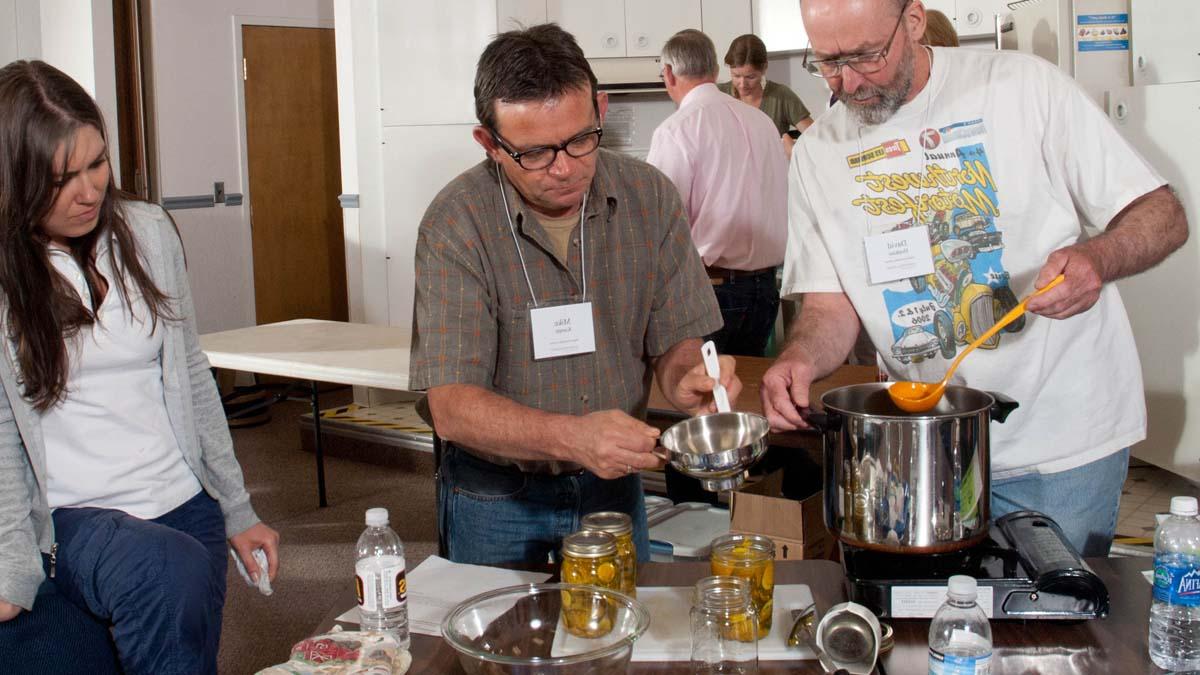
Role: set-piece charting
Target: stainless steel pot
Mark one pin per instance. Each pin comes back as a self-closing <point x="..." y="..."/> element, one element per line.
<point x="904" y="482"/>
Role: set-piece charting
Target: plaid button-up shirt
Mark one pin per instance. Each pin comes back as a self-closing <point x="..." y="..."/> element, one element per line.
<point x="645" y="281"/>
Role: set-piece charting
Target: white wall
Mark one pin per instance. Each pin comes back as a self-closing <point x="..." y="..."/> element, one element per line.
<point x="75" y="36"/>
<point x="201" y="138"/>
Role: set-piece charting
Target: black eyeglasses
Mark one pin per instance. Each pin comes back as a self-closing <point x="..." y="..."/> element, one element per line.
<point x="863" y="64"/>
<point x="544" y="155"/>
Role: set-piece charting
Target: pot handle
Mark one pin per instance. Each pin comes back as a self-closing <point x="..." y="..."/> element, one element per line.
<point x="822" y="420"/>
<point x="1003" y="406"/>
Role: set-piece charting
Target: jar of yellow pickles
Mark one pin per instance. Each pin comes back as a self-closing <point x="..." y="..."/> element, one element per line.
<point x="589" y="558"/>
<point x="751" y="557"/>
<point x="619" y="525"/>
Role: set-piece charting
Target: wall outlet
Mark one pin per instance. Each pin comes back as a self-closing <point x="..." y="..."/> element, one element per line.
<point x="219" y="192"/>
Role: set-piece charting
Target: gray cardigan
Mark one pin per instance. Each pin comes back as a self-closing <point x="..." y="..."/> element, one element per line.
<point x="193" y="406"/>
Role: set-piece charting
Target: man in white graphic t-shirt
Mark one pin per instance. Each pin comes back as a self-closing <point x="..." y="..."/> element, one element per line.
<point x="998" y="164"/>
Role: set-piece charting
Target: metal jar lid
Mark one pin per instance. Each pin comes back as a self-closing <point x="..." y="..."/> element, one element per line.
<point x="612" y="522"/>
<point x="589" y="544"/>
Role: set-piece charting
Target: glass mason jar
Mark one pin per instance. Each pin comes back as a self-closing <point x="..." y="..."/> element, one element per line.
<point x="751" y="557"/>
<point x="724" y="627"/>
<point x="619" y="525"/>
<point x="589" y="558"/>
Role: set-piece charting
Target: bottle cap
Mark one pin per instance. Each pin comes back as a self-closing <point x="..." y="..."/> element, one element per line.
<point x="962" y="587"/>
<point x="377" y="517"/>
<point x="1183" y="506"/>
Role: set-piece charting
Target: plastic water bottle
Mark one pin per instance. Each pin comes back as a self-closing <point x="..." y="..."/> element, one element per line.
<point x="379" y="579"/>
<point x="960" y="638"/>
<point x="1175" y="611"/>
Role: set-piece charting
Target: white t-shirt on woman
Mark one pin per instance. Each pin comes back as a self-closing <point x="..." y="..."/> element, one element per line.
<point x="110" y="444"/>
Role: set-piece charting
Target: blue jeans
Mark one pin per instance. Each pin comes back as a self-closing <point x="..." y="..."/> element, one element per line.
<point x="56" y="637"/>
<point x="159" y="584"/>
<point x="748" y="305"/>
<point x="1083" y="501"/>
<point x="491" y="514"/>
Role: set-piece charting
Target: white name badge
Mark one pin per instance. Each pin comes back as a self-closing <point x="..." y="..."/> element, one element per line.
<point x="564" y="330"/>
<point x="900" y="254"/>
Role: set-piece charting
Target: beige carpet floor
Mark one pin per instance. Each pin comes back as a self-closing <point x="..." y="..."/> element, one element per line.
<point x="317" y="549"/>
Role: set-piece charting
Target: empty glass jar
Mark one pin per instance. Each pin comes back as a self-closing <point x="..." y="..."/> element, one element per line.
<point x="724" y="627"/>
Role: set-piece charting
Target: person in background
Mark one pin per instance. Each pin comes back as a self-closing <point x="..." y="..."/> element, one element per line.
<point x="747" y="61"/>
<point x="985" y="167"/>
<point x="554" y="280"/>
<point x="726" y="161"/>
<point x="939" y="30"/>
<point x="119" y="490"/>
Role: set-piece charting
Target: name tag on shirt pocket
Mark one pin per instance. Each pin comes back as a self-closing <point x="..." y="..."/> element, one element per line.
<point x="899" y="254"/>
<point x="562" y="330"/>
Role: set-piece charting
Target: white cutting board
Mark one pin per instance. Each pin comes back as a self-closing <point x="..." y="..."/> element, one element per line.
<point x="669" y="637"/>
<point x="691" y="529"/>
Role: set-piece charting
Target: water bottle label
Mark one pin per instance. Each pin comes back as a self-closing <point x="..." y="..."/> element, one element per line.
<point x="1177" y="584"/>
<point x="395" y="586"/>
<point x="364" y="587"/>
<point x="954" y="664"/>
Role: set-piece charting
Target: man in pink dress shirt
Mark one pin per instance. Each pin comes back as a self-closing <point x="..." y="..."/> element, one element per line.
<point x="731" y="170"/>
<point x="726" y="160"/>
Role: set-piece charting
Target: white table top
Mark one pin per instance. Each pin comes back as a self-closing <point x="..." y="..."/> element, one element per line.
<point x="324" y="351"/>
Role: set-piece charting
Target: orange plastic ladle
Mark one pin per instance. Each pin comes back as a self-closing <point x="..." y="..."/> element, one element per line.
<point x="918" y="397"/>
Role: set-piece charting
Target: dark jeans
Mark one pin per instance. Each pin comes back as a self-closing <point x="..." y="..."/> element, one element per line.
<point x="748" y="306"/>
<point x="491" y="514"/>
<point x="159" y="585"/>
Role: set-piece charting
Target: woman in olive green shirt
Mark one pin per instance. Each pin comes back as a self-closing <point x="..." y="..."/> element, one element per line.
<point x="747" y="61"/>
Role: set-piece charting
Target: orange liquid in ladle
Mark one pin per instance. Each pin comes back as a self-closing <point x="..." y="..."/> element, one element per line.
<point x="918" y="397"/>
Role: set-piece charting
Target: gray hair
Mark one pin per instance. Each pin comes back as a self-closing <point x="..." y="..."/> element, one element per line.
<point x="691" y="53"/>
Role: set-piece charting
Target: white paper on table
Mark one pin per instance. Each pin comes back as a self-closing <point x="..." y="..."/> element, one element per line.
<point x="437" y="585"/>
<point x="669" y="637"/>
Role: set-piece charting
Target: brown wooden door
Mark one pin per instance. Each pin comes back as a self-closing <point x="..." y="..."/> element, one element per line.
<point x="295" y="173"/>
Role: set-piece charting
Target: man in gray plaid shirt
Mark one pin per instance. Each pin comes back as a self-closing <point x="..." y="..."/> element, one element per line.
<point x="554" y="280"/>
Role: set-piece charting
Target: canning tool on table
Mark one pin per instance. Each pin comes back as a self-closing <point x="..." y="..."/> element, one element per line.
<point x="917" y="397"/>
<point x="802" y="633"/>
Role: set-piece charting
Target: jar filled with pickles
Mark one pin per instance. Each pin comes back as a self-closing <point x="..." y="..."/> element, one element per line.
<point x="751" y="557"/>
<point x="589" y="558"/>
<point x="619" y="525"/>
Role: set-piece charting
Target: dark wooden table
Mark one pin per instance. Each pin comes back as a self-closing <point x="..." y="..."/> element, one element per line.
<point x="1116" y="644"/>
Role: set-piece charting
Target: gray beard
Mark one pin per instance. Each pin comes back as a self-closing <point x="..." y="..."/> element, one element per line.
<point x="890" y="98"/>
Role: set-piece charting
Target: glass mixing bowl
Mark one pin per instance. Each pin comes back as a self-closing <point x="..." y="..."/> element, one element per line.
<point x="519" y="630"/>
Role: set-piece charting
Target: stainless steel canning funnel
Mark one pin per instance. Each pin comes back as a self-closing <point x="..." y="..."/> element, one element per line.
<point x="716" y="448"/>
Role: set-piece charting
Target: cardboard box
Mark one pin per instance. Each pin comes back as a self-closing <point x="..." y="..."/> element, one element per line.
<point x="796" y="526"/>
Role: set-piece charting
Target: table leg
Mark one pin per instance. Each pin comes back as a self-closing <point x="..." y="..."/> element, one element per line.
<point x="317" y="445"/>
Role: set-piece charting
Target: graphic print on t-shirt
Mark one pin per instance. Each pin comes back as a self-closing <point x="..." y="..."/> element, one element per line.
<point x="955" y="195"/>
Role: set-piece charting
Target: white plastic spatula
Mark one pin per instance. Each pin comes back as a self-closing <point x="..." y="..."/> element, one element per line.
<point x="709" y="351"/>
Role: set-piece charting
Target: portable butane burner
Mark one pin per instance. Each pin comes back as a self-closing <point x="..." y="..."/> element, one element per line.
<point x="1026" y="569"/>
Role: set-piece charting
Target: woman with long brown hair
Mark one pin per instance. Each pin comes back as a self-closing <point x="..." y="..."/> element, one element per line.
<point x="119" y="489"/>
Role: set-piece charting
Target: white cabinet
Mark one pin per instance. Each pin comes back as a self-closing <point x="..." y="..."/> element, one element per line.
<point x="778" y="24"/>
<point x="1164" y="41"/>
<point x="724" y="20"/>
<point x="977" y="18"/>
<point x="429" y="51"/>
<point x="613" y="28"/>
<point x="518" y="14"/>
<point x="1164" y="303"/>
<point x="648" y="25"/>
<point x="598" y="25"/>
<point x="620" y="28"/>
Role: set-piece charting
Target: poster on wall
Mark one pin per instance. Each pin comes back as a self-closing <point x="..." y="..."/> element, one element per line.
<point x="1102" y="33"/>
